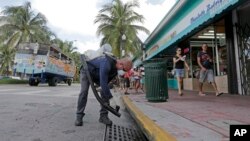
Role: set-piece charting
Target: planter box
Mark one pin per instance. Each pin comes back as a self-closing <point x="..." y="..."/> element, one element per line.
<point x="172" y="84"/>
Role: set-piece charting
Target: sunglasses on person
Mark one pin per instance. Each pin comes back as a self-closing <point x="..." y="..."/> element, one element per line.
<point x="178" y="50"/>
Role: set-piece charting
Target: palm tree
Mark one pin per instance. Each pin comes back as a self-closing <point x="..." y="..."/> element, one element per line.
<point x="66" y="47"/>
<point x="69" y="48"/>
<point x="118" y="19"/>
<point x="21" y="24"/>
<point x="6" y="59"/>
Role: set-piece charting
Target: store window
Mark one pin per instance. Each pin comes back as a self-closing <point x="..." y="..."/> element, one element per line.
<point x="214" y="37"/>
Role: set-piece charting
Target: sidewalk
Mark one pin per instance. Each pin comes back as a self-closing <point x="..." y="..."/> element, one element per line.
<point x="190" y="117"/>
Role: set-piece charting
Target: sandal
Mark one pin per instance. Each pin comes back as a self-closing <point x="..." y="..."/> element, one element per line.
<point x="219" y="94"/>
<point x="202" y="94"/>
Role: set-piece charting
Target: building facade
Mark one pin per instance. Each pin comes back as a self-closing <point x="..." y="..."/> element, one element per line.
<point x="222" y="24"/>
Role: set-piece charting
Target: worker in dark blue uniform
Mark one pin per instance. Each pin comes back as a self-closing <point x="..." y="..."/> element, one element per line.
<point x="102" y="70"/>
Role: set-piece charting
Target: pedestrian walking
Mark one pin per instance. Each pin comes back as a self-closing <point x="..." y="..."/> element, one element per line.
<point x="127" y="76"/>
<point x="205" y="62"/>
<point x="121" y="79"/>
<point x="137" y="76"/>
<point x="142" y="81"/>
<point x="179" y="62"/>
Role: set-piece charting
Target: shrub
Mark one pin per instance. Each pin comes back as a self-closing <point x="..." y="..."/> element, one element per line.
<point x="13" y="81"/>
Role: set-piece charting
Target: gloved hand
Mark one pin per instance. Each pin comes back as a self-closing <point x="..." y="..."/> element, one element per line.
<point x="113" y="104"/>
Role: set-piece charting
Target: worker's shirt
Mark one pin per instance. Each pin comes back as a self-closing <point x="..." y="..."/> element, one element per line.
<point x="103" y="70"/>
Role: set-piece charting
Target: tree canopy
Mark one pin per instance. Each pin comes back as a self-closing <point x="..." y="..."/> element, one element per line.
<point x="118" y="19"/>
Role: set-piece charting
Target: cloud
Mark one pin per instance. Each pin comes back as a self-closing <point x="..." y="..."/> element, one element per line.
<point x="70" y="15"/>
<point x="74" y="19"/>
<point x="93" y="45"/>
<point x="4" y="3"/>
<point x="155" y="2"/>
<point x="153" y="14"/>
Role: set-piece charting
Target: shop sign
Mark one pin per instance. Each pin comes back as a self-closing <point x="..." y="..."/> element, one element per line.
<point x="161" y="42"/>
<point x="153" y="49"/>
<point x="167" y="38"/>
<point x="204" y="11"/>
<point x="212" y="8"/>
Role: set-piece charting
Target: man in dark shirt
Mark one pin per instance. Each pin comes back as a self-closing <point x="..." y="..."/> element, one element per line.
<point x="206" y="73"/>
<point x="102" y="70"/>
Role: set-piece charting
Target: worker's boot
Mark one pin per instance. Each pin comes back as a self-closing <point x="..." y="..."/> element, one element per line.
<point x="78" y="121"/>
<point x="105" y="119"/>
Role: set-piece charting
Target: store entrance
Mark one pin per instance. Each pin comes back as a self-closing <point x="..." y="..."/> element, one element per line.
<point x="214" y="37"/>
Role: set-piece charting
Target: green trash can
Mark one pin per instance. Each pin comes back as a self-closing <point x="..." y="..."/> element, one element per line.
<point x="156" y="80"/>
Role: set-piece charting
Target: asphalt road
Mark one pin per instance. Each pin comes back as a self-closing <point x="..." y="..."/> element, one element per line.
<point x="48" y="113"/>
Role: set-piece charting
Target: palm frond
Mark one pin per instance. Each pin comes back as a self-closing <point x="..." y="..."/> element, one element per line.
<point x="116" y="19"/>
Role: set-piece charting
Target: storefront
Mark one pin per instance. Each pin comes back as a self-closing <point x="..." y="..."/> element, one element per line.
<point x="223" y="25"/>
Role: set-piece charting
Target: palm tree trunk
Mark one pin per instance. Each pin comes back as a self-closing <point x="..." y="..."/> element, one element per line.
<point x="7" y="70"/>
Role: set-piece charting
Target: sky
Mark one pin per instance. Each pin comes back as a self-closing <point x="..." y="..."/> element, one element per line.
<point x="73" y="20"/>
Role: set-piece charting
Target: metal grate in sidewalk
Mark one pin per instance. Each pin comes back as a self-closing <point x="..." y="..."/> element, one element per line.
<point x="120" y="133"/>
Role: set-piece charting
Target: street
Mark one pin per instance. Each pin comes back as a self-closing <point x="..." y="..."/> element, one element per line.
<point x="46" y="113"/>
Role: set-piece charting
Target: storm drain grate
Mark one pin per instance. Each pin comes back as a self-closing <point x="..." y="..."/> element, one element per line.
<point x="120" y="133"/>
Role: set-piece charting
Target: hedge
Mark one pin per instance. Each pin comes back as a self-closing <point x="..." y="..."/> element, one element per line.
<point x="13" y="81"/>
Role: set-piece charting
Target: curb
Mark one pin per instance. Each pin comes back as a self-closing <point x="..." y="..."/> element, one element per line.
<point x="149" y="127"/>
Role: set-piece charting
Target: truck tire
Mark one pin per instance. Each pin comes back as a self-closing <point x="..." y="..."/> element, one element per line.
<point x="36" y="83"/>
<point x="69" y="82"/>
<point x="53" y="81"/>
<point x="33" y="81"/>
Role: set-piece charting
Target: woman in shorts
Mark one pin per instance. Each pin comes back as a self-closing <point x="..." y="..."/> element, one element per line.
<point x="179" y="62"/>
